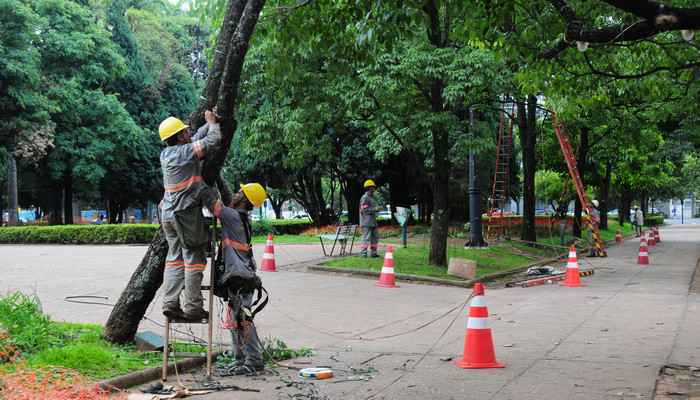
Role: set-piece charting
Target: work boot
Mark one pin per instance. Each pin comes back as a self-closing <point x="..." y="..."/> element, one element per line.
<point x="197" y="315"/>
<point x="375" y="255"/>
<point x="173" y="312"/>
<point x="363" y="254"/>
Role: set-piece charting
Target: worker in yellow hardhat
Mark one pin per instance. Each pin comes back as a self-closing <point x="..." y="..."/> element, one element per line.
<point x="238" y="279"/>
<point x="183" y="223"/>
<point x="368" y="219"/>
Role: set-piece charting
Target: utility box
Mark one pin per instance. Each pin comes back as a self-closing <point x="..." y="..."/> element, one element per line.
<point x="462" y="268"/>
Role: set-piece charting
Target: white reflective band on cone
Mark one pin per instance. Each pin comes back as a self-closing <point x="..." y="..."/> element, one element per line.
<point x="269" y="243"/>
<point x="387" y="270"/>
<point x="476" y="323"/>
<point x="478" y="301"/>
<point x="268" y="256"/>
<point x="572" y="254"/>
<point x="389" y="256"/>
<point x="643" y="254"/>
<point x="572" y="265"/>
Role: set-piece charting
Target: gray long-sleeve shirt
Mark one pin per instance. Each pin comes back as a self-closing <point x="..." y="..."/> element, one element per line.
<point x="235" y="237"/>
<point x="182" y="170"/>
<point x="368" y="211"/>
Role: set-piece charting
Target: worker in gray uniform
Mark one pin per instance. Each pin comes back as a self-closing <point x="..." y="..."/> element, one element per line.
<point x="368" y="219"/>
<point x="238" y="276"/>
<point x="182" y="220"/>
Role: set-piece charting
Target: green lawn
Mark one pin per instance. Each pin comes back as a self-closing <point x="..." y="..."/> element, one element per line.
<point x="288" y="239"/>
<point x="414" y="259"/>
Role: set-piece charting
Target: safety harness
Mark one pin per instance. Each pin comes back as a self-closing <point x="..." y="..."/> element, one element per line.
<point x="233" y="289"/>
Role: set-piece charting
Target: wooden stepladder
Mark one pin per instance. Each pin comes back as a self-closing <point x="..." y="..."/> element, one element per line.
<point x="210" y="300"/>
<point x="566" y="148"/>
<point x="498" y="224"/>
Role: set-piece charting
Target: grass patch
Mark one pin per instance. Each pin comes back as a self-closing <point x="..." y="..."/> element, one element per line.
<point x="413" y="260"/>
<point x="287" y="239"/>
<point x="42" y="343"/>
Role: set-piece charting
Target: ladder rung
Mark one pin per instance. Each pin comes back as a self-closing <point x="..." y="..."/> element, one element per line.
<point x="186" y="321"/>
<point x="186" y="354"/>
<point x="206" y="287"/>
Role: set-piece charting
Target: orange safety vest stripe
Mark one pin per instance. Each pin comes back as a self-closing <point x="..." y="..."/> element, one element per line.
<point x="182" y="184"/>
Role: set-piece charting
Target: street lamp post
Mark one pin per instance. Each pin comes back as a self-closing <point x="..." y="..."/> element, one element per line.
<point x="476" y="236"/>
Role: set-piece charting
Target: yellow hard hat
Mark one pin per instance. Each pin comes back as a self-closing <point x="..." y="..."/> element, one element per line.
<point x="169" y="127"/>
<point x="369" y="183"/>
<point x="255" y="193"/>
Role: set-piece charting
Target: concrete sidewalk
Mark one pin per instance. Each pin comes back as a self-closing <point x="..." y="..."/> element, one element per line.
<point x="54" y="272"/>
<point x="607" y="340"/>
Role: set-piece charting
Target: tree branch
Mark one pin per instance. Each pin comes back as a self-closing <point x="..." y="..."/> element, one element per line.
<point x="657" y="18"/>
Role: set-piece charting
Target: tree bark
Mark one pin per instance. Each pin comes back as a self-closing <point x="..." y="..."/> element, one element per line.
<point x="605" y="196"/>
<point x="135" y="299"/>
<point x="220" y="89"/>
<point x="12" y="198"/>
<point x="582" y="166"/>
<point x="528" y="137"/>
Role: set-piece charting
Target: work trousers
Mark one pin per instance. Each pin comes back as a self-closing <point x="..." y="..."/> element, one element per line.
<point x="370" y="238"/>
<point x="638" y="229"/>
<point x="184" y="267"/>
<point x="247" y="348"/>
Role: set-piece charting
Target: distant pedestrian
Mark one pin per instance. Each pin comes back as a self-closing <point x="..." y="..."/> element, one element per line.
<point x="638" y="221"/>
<point x="595" y="219"/>
<point x="368" y="220"/>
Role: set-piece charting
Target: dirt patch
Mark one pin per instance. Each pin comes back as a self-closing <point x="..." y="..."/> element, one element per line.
<point x="695" y="281"/>
<point x="678" y="382"/>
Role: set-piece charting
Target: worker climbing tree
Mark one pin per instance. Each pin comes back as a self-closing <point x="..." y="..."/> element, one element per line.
<point x="220" y="90"/>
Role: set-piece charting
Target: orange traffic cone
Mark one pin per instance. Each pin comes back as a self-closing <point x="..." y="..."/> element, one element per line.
<point x="387" y="278"/>
<point x="478" y="343"/>
<point x="651" y="241"/>
<point x="643" y="257"/>
<point x="657" y="237"/>
<point x="573" y="279"/>
<point x="268" y="261"/>
<point x="618" y="237"/>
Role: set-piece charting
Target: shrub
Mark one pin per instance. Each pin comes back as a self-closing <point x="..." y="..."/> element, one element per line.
<point x="80" y="234"/>
<point x="123" y="233"/>
<point x="653" y="219"/>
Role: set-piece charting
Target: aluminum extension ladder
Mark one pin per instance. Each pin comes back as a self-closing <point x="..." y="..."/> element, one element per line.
<point x="565" y="145"/>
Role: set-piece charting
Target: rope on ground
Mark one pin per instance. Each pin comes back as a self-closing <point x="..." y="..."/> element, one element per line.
<point x="430" y="349"/>
<point x="356" y="337"/>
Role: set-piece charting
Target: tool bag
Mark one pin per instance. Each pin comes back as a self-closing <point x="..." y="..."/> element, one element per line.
<point x="231" y="288"/>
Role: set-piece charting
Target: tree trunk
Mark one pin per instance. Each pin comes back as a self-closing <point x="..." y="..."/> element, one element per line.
<point x="68" y="199"/>
<point x="56" y="214"/>
<point x="581" y="165"/>
<point x="528" y="137"/>
<point x="605" y="196"/>
<point x="12" y="198"/>
<point x="277" y="207"/>
<point x="143" y="285"/>
<point x="441" y="177"/>
<point x="353" y="193"/>
<point x="625" y="203"/>
<point x="221" y="89"/>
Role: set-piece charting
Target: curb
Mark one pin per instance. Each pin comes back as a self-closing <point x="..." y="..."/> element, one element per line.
<point x="437" y="281"/>
<point x="151" y="374"/>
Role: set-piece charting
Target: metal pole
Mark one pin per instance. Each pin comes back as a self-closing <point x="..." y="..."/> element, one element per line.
<point x="682" y="209"/>
<point x="404" y="233"/>
<point x="476" y="237"/>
